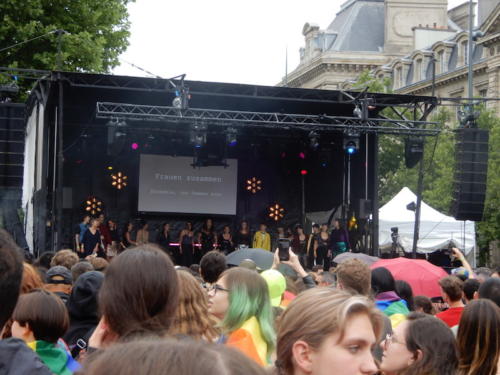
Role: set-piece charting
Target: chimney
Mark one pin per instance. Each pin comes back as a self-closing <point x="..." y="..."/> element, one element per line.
<point x="460" y="15"/>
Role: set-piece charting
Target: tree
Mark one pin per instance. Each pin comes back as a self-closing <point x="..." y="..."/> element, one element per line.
<point x="97" y="33"/>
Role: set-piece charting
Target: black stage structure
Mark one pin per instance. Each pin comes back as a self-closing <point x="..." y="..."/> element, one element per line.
<point x="81" y="125"/>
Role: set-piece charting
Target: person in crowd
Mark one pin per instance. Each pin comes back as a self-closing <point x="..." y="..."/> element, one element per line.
<point x="60" y="282"/>
<point x="496" y="273"/>
<point x="294" y="264"/>
<point x="240" y="300"/>
<point x="212" y="265"/>
<point x="15" y="357"/>
<point x="65" y="258"/>
<point x="192" y="319"/>
<point x="186" y="244"/>
<point x="99" y="264"/>
<point x="207" y="238"/>
<point x="262" y="239"/>
<point x="127" y="236"/>
<point x="478" y="339"/>
<point x="405" y="291"/>
<point x="170" y="357"/>
<point x="354" y="277"/>
<point x="420" y="345"/>
<point x="452" y="293"/>
<point x="311" y="240"/>
<point x="41" y="319"/>
<point x="244" y="236"/>
<point x="164" y="239"/>
<point x="142" y="236"/>
<point x="112" y="249"/>
<point x="80" y="230"/>
<point x="386" y="298"/>
<point x="80" y="268"/>
<point x="138" y="297"/>
<point x="92" y="243"/>
<point x="483" y="274"/>
<point x="338" y="343"/>
<point x="44" y="260"/>
<point x="83" y="310"/>
<point x="326" y="279"/>
<point x="321" y="251"/>
<point x="299" y="245"/>
<point x="471" y="286"/>
<point x="276" y="285"/>
<point x="490" y="289"/>
<point x="194" y="269"/>
<point x="225" y="241"/>
<point x="423" y="304"/>
<point x="339" y="239"/>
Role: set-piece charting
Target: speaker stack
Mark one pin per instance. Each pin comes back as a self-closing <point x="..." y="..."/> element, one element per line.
<point x="471" y="168"/>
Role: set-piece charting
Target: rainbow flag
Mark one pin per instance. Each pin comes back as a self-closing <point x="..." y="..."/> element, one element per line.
<point x="248" y="340"/>
<point x="58" y="360"/>
<point x="287" y="298"/>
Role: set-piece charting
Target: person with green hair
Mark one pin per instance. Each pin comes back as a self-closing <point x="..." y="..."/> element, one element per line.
<point x="240" y="299"/>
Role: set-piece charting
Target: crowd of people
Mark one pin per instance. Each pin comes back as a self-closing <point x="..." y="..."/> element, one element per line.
<point x="100" y="237"/>
<point x="139" y="313"/>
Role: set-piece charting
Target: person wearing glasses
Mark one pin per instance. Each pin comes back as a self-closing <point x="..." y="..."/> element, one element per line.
<point x="421" y="344"/>
<point x="240" y="300"/>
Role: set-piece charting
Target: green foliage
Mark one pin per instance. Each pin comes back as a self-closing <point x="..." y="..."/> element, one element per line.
<point x="98" y="34"/>
<point x="439" y="164"/>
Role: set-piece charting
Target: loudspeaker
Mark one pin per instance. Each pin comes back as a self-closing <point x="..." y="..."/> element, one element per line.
<point x="471" y="168"/>
<point x="414" y="149"/>
<point x="365" y="208"/>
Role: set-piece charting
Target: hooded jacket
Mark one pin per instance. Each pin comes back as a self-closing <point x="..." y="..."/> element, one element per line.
<point x="82" y="307"/>
<point x="16" y="358"/>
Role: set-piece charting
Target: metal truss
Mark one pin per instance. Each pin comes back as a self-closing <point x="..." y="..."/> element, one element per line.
<point x="285" y="121"/>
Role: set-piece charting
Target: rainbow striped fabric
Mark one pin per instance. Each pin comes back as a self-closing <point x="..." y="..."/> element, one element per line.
<point x="58" y="360"/>
<point x="248" y="339"/>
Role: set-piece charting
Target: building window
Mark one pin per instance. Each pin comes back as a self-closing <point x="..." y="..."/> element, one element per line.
<point x="418" y="70"/>
<point x="442" y="62"/>
<point x="465" y="52"/>
<point x="483" y="93"/>
<point x="398" y="81"/>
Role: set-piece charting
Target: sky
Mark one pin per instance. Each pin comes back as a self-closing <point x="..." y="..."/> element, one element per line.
<point x="222" y="40"/>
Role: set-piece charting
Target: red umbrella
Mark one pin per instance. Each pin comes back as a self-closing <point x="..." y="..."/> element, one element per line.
<point x="420" y="274"/>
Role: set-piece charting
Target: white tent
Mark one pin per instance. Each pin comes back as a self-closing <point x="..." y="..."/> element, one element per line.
<point x="436" y="229"/>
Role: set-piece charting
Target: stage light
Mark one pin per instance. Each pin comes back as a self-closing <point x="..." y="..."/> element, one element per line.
<point x="350" y="147"/>
<point x="351" y="142"/>
<point x="198" y="135"/>
<point x="134" y="146"/>
<point x="302" y="155"/>
<point x="357" y="112"/>
<point x="276" y="212"/>
<point x="119" y="180"/>
<point x="303" y="172"/>
<point x="110" y="168"/>
<point x="313" y="140"/>
<point x="93" y="205"/>
<point x="254" y="185"/>
<point x="231" y="139"/>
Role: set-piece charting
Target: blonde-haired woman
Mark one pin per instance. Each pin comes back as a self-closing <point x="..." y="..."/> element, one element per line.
<point x="191" y="317"/>
<point x="325" y="331"/>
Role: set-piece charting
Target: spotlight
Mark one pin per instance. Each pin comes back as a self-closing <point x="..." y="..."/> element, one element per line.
<point x="93" y="205"/>
<point x="276" y="212"/>
<point x="302" y="155"/>
<point x="198" y="135"/>
<point x="313" y="140"/>
<point x="351" y="142"/>
<point x="254" y="185"/>
<point x="303" y="172"/>
<point x="357" y="112"/>
<point x="231" y="139"/>
<point x="134" y="146"/>
<point x="411" y="206"/>
<point x="119" y="180"/>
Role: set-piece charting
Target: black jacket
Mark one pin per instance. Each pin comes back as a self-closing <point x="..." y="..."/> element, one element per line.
<point x="16" y="358"/>
<point x="82" y="307"/>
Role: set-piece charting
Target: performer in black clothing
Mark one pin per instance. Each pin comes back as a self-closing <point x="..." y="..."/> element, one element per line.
<point x="299" y="245"/>
<point x="226" y="240"/>
<point x="127" y="237"/>
<point x="311" y="252"/>
<point x="321" y="248"/>
<point x="164" y="240"/>
<point x="208" y="240"/>
<point x="92" y="240"/>
<point x="244" y="236"/>
<point x="186" y="245"/>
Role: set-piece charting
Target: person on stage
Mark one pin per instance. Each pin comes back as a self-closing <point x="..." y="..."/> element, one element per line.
<point x="186" y="245"/>
<point x="321" y="248"/>
<point x="207" y="238"/>
<point x="92" y="243"/>
<point x="80" y="231"/>
<point x="311" y="252"/>
<point x="164" y="240"/>
<point x="299" y="245"/>
<point x="262" y="239"/>
<point x="226" y="244"/>
<point x="104" y="230"/>
<point x="112" y="250"/>
<point x="142" y="236"/>
<point x="339" y="239"/>
<point x="127" y="237"/>
<point x="244" y="236"/>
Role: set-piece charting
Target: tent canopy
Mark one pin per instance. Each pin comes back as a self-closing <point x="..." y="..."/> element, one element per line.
<point x="436" y="229"/>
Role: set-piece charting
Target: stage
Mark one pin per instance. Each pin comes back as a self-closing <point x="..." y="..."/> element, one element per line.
<point x="183" y="150"/>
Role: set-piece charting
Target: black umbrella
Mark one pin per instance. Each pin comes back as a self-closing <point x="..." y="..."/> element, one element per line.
<point x="365" y="258"/>
<point x="262" y="258"/>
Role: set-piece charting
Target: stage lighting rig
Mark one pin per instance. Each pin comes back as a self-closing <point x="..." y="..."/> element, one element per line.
<point x="231" y="137"/>
<point x="119" y="180"/>
<point x="93" y="205"/>
<point x="254" y="185"/>
<point x="198" y="135"/>
<point x="351" y="142"/>
<point x="313" y="140"/>
<point x="276" y="212"/>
